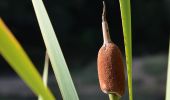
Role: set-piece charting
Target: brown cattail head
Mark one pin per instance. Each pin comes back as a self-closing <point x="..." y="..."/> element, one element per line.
<point x="110" y="69"/>
<point x="110" y="65"/>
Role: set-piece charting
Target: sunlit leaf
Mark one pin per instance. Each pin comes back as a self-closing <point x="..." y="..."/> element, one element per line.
<point x="59" y="65"/>
<point x="14" y="54"/>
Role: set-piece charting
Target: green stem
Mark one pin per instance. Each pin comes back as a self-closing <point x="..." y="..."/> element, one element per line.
<point x="113" y="97"/>
<point x="168" y="77"/>
<point x="46" y="66"/>
<point x="45" y="72"/>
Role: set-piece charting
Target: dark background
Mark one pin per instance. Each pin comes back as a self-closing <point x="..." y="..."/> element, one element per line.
<point x="77" y="24"/>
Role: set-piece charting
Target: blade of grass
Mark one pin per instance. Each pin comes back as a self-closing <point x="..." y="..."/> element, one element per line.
<point x="14" y="54"/>
<point x="126" y="24"/>
<point x="45" y="72"/>
<point x="168" y="77"/>
<point x="59" y="65"/>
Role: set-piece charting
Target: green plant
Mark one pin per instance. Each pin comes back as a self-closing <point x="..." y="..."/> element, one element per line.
<point x="9" y="48"/>
<point x="168" y="77"/>
<point x="45" y="72"/>
<point x="126" y="24"/>
<point x="55" y="54"/>
<point x="113" y="97"/>
<point x="14" y="54"/>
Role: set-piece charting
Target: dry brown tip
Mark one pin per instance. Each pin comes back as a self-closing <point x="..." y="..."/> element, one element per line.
<point x="104" y="12"/>
<point x="105" y="28"/>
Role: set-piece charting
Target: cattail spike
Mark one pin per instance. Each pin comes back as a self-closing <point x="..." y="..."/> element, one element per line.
<point x="110" y="63"/>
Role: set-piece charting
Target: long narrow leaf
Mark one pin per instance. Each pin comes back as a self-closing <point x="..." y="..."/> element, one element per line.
<point x="168" y="78"/>
<point x="55" y="54"/>
<point x="126" y="24"/>
<point x="13" y="53"/>
<point x="45" y="72"/>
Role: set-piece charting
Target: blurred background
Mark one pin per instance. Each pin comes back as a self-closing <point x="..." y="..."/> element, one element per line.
<point x="77" y="24"/>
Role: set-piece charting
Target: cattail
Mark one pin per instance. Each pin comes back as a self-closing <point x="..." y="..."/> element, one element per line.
<point x="110" y="63"/>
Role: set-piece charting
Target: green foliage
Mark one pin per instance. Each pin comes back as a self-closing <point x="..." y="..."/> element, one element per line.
<point x="45" y="72"/>
<point x="168" y="77"/>
<point x="55" y="54"/>
<point x="126" y="24"/>
<point x="14" y="54"/>
<point x="113" y="97"/>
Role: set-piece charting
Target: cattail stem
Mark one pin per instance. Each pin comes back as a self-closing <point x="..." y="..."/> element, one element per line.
<point x="105" y="28"/>
<point x="113" y="97"/>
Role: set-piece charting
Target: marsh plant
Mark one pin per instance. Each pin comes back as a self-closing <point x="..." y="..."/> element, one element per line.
<point x="110" y="64"/>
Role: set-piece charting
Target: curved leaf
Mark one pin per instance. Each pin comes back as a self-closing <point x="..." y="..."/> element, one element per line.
<point x="58" y="63"/>
<point x="14" y="54"/>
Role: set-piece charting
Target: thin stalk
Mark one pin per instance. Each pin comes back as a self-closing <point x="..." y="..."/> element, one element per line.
<point x="113" y="97"/>
<point x="46" y="67"/>
<point x="45" y="72"/>
<point x="168" y="77"/>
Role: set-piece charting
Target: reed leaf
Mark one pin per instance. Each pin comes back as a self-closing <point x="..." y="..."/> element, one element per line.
<point x="126" y="24"/>
<point x="14" y="54"/>
<point x="168" y="77"/>
<point x="59" y="65"/>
